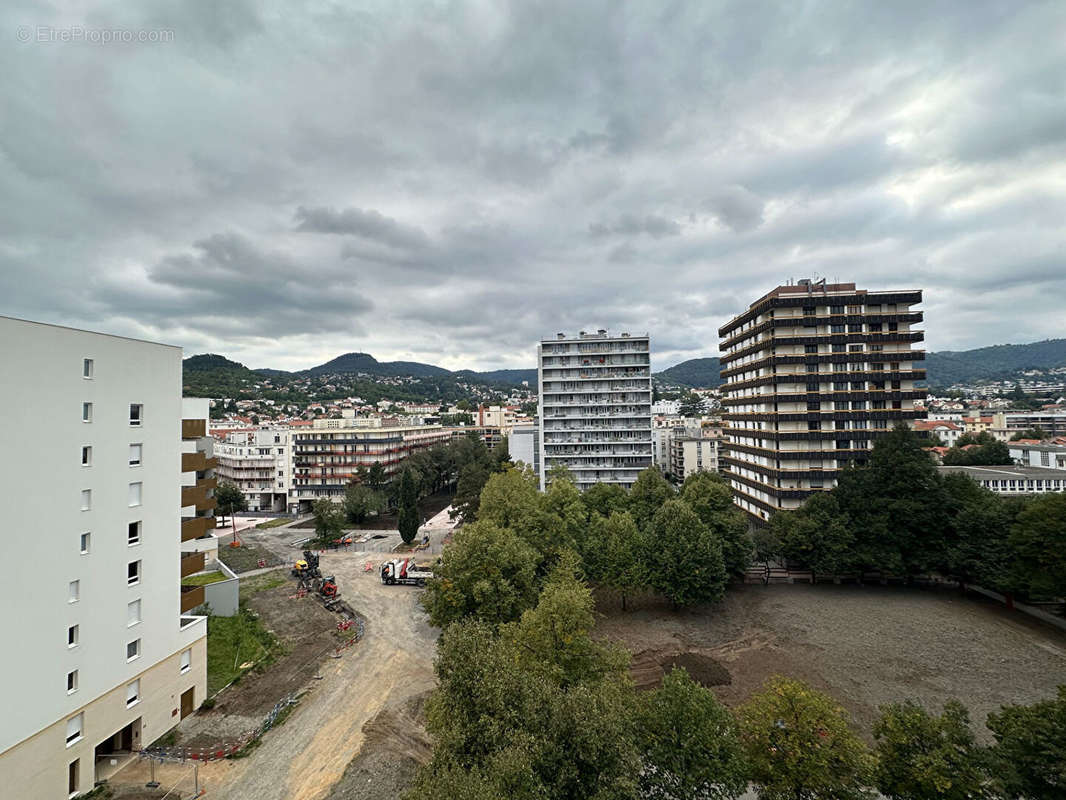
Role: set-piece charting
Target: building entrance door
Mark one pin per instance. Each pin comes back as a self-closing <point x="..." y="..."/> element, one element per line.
<point x="187" y="701"/>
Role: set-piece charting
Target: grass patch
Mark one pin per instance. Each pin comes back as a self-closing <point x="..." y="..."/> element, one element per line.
<point x="246" y="557"/>
<point x="203" y="579"/>
<point x="275" y="523"/>
<point x="261" y="583"/>
<point x="232" y="641"/>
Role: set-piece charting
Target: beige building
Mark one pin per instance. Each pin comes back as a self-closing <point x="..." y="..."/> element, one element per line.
<point x="693" y="453"/>
<point x="108" y="501"/>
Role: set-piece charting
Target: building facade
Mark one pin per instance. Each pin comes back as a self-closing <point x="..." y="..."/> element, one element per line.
<point x="692" y="453"/>
<point x="259" y="463"/>
<point x="328" y="455"/>
<point x="595" y="407"/>
<point x="1052" y="422"/>
<point x="813" y="374"/>
<point x="1014" y="480"/>
<point x="523" y="445"/>
<point x="1051" y="456"/>
<point x="101" y="656"/>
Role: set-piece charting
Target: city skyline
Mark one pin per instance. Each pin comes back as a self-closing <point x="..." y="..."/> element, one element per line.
<point x="450" y="185"/>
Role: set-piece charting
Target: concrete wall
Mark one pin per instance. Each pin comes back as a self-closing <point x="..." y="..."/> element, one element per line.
<point x="223" y="596"/>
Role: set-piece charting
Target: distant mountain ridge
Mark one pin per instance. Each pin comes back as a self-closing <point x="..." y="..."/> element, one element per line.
<point x="698" y="373"/>
<point x="998" y="362"/>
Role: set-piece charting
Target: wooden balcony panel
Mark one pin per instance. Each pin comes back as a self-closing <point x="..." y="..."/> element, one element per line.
<point x="191" y="562"/>
<point x="191" y="597"/>
<point x="191" y="495"/>
<point x="196" y="527"/>
<point x="193" y="428"/>
<point x="207" y="483"/>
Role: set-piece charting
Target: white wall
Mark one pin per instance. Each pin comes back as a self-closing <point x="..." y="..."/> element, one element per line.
<point x="42" y="479"/>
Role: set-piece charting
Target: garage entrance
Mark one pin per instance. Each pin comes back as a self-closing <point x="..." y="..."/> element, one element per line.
<point x="114" y="751"/>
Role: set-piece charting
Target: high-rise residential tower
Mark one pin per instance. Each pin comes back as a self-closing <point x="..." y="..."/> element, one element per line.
<point x="813" y="374"/>
<point x="107" y="482"/>
<point x="595" y="407"/>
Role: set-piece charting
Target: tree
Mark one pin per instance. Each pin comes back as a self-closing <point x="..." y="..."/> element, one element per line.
<point x="690" y="746"/>
<point x="986" y="451"/>
<point x="229" y="499"/>
<point x="649" y="492"/>
<point x="711" y="498"/>
<point x="799" y="745"/>
<point x="472" y="479"/>
<point x="979" y="548"/>
<point x="510" y="500"/>
<point x="1031" y="433"/>
<point x="376" y="478"/>
<point x="360" y="502"/>
<point x="329" y="520"/>
<point x="1029" y="756"/>
<point x="464" y="405"/>
<point x="685" y="562"/>
<point x="926" y="757"/>
<point x="407" y="519"/>
<point x="817" y="535"/>
<point x="487" y="573"/>
<point x="1038" y="540"/>
<point x="563" y="519"/>
<point x="604" y="498"/>
<point x="618" y="560"/>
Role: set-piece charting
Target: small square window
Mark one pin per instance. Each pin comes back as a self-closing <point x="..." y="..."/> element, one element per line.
<point x="135" y="455"/>
<point x="133" y="612"/>
<point x="87" y="368"/>
<point x="72" y="681"/>
<point x="133" y="573"/>
<point x="72" y="636"/>
<point x="133" y="534"/>
<point x="74" y="592"/>
<point x="74" y="729"/>
<point x="133" y="693"/>
<point x="86" y="412"/>
<point x="86" y="499"/>
<point x="84" y="543"/>
<point x="136" y="414"/>
<point x="133" y="649"/>
<point x="134" y="494"/>
<point x="86" y="456"/>
<point x="186" y="661"/>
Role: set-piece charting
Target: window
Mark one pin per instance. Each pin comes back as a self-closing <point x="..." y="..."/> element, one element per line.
<point x="135" y="455"/>
<point x="836" y="328"/>
<point x="875" y="327"/>
<point x="133" y="612"/>
<point x="134" y="495"/>
<point x="855" y="328"/>
<point x="843" y="444"/>
<point x="133" y="693"/>
<point x="86" y="456"/>
<point x="86" y="499"/>
<point x="186" y="661"/>
<point x="855" y="348"/>
<point x="812" y="386"/>
<point x="1045" y="458"/>
<point x="72" y="636"/>
<point x="72" y="681"/>
<point x="133" y="535"/>
<point x="839" y="348"/>
<point x="74" y="729"/>
<point x="814" y="405"/>
<point x="136" y="414"/>
<point x="133" y="573"/>
<point x="810" y="348"/>
<point x="133" y="649"/>
<point x="86" y="412"/>
<point x="814" y="426"/>
<point x="83" y="544"/>
<point x="836" y="309"/>
<point x="808" y="311"/>
<point x="893" y="326"/>
<point x="72" y="777"/>
<point x="812" y="366"/>
<point x="74" y="592"/>
<point x="87" y="368"/>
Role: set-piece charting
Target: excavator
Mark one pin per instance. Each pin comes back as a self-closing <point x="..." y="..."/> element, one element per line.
<point x="307" y="571"/>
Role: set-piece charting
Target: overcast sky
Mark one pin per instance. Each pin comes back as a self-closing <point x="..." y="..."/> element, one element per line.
<point x="448" y="182"/>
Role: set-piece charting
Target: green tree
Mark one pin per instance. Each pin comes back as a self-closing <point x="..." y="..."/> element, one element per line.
<point x="604" y="498"/>
<point x="817" y="535"/>
<point x="487" y="573"/>
<point x="685" y="562"/>
<point x="360" y="502"/>
<point x="926" y="757"/>
<point x="987" y="452"/>
<point x="329" y="520"/>
<point x="1037" y="433"/>
<point x="689" y="743"/>
<point x="472" y="479"/>
<point x="1029" y="756"/>
<point x="799" y="745"/>
<point x="617" y="554"/>
<point x="376" y="477"/>
<point x="464" y="405"/>
<point x="649" y="492"/>
<point x="563" y="519"/>
<point x="708" y="494"/>
<point x="1038" y="540"/>
<point x="510" y="500"/>
<point x="979" y="548"/>
<point x="407" y="519"/>
<point x="229" y="499"/>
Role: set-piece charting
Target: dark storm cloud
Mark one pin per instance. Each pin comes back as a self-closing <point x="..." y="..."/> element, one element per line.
<point x="451" y="182"/>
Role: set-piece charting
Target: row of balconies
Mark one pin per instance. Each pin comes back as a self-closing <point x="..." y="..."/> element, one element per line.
<point x="817" y="300"/>
<point x="905" y="317"/>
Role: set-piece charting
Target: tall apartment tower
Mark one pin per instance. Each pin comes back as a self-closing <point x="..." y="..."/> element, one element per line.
<point x="813" y="374"/>
<point x="99" y="466"/>
<point x="595" y="407"/>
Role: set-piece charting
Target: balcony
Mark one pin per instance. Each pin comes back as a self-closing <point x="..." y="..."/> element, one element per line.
<point x="190" y="563"/>
<point x="191" y="597"/>
<point x="197" y="496"/>
<point x="197" y="462"/>
<point x="196" y="527"/>
<point x="193" y="428"/>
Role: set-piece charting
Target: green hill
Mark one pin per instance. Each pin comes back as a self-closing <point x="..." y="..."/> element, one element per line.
<point x="1000" y="361"/>
<point x="699" y="373"/>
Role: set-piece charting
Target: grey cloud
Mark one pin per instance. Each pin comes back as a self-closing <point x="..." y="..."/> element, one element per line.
<point x="736" y="207"/>
<point x="633" y="225"/>
<point x="369" y="224"/>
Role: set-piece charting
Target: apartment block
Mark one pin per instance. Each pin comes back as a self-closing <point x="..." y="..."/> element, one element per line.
<point x="101" y="656"/>
<point x="813" y="374"/>
<point x="595" y="407"/>
<point x="259" y="463"/>
<point x="326" y="457"/>
<point x="692" y="452"/>
<point x="523" y="445"/>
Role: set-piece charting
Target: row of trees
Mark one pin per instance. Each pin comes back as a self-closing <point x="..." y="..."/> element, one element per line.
<point x="682" y="544"/>
<point x="980" y="449"/>
<point x="900" y="516"/>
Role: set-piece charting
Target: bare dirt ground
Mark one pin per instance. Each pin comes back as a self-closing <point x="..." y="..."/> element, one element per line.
<point x="308" y="755"/>
<point x="863" y="645"/>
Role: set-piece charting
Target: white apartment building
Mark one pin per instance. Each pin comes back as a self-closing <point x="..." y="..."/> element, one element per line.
<point x="595" y="407"/>
<point x="691" y="452"/>
<point x="1014" y="480"/>
<point x="523" y="445"/>
<point x="1051" y="456"/>
<point x="813" y="375"/>
<point x="100" y="658"/>
<point x="665" y="408"/>
<point x="259" y="463"/>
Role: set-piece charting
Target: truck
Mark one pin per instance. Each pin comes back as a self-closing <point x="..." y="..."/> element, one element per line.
<point x="404" y="571"/>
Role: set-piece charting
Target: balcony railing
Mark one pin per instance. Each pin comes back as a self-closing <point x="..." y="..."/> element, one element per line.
<point x="197" y="461"/>
<point x="191" y="562"/>
<point x="193" y="428"/>
<point x="196" y="527"/>
<point x="191" y="597"/>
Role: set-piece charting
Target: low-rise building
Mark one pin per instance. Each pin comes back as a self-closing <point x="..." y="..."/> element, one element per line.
<point x="1014" y="480"/>
<point x="1030" y="454"/>
<point x="947" y="431"/>
<point x="257" y="462"/>
<point x="1052" y="422"/>
<point x="693" y="453"/>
